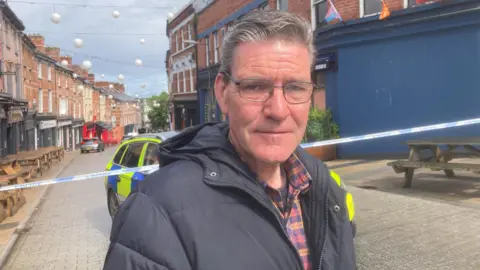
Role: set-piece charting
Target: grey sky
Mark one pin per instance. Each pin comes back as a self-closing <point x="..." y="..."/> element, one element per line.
<point x="136" y="16"/>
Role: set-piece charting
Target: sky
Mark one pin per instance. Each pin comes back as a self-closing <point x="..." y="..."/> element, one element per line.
<point x="115" y="41"/>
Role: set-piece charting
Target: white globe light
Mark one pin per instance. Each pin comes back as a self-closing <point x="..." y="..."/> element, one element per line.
<point x="74" y="75"/>
<point x="170" y="15"/>
<point x="142" y="41"/>
<point x="64" y="63"/>
<point x="86" y="64"/>
<point x="143" y="85"/>
<point x="138" y="62"/>
<point x="78" y="43"/>
<point x="55" y="18"/>
<point x="115" y="14"/>
<point x="110" y="86"/>
<point x="110" y="97"/>
<point x="103" y="75"/>
<point x="80" y="87"/>
<point x="121" y="77"/>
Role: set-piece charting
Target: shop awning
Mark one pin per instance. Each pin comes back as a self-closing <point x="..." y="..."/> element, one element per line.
<point x="103" y="125"/>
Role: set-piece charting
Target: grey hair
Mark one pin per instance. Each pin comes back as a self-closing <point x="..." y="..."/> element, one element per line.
<point x="262" y="25"/>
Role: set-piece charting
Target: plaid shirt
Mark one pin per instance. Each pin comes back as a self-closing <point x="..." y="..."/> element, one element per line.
<point x="299" y="180"/>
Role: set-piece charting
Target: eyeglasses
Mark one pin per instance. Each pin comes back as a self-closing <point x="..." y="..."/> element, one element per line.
<point x="258" y="90"/>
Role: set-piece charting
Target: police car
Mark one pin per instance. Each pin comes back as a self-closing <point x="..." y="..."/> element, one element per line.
<point x="137" y="151"/>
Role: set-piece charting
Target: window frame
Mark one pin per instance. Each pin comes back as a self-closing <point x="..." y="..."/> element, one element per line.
<point x="130" y="146"/>
<point x="124" y="148"/>
<point x="146" y="153"/>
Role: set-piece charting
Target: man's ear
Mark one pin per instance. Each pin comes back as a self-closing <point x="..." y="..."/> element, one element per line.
<point x="221" y="92"/>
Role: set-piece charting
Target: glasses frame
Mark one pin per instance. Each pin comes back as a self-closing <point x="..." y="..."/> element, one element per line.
<point x="238" y="82"/>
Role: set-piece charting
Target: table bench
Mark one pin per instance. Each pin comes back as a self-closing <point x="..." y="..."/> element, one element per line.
<point x="438" y="160"/>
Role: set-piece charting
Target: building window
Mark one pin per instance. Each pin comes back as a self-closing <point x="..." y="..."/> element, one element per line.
<point x="176" y="41"/>
<point x="49" y="73"/>
<point x="39" y="70"/>
<point x="184" y="82"/>
<point x="178" y="82"/>
<point x="412" y="3"/>
<point x="207" y="51"/>
<point x="183" y="40"/>
<point x="40" y="101"/>
<point x="50" y="101"/>
<point x="191" y="80"/>
<point x="189" y="32"/>
<point x="216" y="47"/>
<point x="371" y="7"/>
<point x="282" y="5"/>
<point x="321" y="9"/>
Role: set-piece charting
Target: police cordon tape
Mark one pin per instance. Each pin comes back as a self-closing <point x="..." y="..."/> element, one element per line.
<point x="306" y="145"/>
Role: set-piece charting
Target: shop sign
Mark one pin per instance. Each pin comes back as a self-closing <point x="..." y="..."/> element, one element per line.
<point x="47" y="124"/>
<point x="64" y="123"/>
<point x="15" y="116"/>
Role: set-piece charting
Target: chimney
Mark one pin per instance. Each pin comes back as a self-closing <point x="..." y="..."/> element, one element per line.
<point x="120" y="87"/>
<point x="91" y="78"/>
<point x="68" y="58"/>
<point x="39" y="41"/>
<point x="102" y="84"/>
<point x="53" y="52"/>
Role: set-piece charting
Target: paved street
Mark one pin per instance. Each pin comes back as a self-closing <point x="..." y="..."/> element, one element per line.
<point x="396" y="230"/>
<point x="71" y="228"/>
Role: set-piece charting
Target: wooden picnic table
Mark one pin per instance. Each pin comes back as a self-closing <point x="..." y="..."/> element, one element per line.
<point x="438" y="159"/>
<point x="11" y="173"/>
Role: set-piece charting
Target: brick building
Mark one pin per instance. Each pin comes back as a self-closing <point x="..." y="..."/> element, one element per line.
<point x="13" y="105"/>
<point x="181" y="68"/>
<point x="30" y="89"/>
<point x="46" y="103"/>
<point x="213" y="22"/>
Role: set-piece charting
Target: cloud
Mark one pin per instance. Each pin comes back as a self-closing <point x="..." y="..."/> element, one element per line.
<point x="140" y="17"/>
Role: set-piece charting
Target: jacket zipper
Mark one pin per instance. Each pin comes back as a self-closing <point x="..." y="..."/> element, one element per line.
<point x="285" y="233"/>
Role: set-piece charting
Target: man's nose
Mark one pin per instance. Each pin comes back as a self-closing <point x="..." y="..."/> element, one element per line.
<point x="276" y="107"/>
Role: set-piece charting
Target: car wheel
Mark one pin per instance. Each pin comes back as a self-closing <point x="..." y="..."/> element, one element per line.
<point x="113" y="203"/>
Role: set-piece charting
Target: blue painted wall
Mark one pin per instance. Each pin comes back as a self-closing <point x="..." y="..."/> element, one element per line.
<point x="406" y="81"/>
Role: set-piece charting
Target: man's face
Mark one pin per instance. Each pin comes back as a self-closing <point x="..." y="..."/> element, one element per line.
<point x="267" y="131"/>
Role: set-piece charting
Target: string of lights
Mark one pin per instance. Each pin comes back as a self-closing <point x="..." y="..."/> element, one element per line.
<point x="106" y="59"/>
<point x="93" y="33"/>
<point x="89" y="5"/>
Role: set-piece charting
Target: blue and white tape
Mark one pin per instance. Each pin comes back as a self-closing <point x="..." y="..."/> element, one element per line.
<point x="306" y="145"/>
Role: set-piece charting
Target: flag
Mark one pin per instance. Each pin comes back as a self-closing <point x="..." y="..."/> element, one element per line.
<point x="332" y="13"/>
<point x="385" y="11"/>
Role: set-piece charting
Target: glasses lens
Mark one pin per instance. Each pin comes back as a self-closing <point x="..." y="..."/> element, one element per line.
<point x="298" y="92"/>
<point x="256" y="90"/>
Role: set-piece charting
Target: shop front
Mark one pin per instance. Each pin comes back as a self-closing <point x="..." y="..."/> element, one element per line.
<point x="418" y="67"/>
<point x="77" y="126"/>
<point x="3" y="133"/>
<point x="15" y="132"/>
<point x="185" y="111"/>
<point x="29" y="141"/>
<point x="209" y="111"/>
<point x="46" y="132"/>
<point x="64" y="129"/>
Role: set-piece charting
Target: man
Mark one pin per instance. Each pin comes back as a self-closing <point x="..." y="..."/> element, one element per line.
<point x="244" y="195"/>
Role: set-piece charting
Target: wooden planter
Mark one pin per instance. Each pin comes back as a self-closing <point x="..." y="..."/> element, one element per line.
<point x="324" y="153"/>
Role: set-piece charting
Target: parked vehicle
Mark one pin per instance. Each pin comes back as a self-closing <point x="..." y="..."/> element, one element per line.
<point x="92" y="144"/>
<point x="137" y="151"/>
